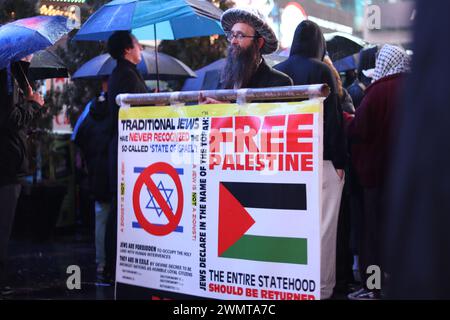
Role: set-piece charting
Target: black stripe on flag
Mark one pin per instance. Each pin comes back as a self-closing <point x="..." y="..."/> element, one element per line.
<point x="281" y="196"/>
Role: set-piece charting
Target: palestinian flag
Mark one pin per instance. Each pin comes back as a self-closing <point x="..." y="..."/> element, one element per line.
<point x="245" y="206"/>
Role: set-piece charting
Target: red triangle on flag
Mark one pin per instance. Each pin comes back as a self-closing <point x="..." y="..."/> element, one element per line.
<point x="234" y="220"/>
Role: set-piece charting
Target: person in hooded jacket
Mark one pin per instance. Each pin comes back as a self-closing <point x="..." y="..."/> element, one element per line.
<point x="305" y="67"/>
<point x="19" y="106"/>
<point x="371" y="131"/>
<point x="93" y="138"/>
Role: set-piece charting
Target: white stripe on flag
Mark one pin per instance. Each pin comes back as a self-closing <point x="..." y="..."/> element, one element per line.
<point x="280" y="223"/>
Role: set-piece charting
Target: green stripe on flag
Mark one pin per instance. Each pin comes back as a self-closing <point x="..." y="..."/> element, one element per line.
<point x="269" y="249"/>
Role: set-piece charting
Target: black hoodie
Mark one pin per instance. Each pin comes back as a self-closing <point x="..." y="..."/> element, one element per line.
<point x="305" y="67"/>
<point x="309" y="41"/>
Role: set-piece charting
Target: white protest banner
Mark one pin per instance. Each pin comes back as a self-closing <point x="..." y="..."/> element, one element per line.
<point x="220" y="201"/>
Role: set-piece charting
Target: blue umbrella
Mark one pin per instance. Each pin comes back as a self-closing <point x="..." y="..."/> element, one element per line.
<point x="348" y="63"/>
<point x="169" y="67"/>
<point x="209" y="76"/>
<point x="199" y="83"/>
<point x="153" y="19"/>
<point x="26" y="36"/>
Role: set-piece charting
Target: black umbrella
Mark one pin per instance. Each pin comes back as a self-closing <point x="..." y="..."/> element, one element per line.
<point x="341" y="45"/>
<point x="169" y="67"/>
<point x="45" y="65"/>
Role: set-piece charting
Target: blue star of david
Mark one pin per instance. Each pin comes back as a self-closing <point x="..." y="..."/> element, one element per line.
<point x="153" y="204"/>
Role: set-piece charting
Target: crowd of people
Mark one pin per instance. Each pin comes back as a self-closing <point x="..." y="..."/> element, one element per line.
<point x="356" y="137"/>
<point x="358" y="122"/>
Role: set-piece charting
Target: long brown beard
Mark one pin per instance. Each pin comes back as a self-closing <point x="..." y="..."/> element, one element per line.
<point x="240" y="66"/>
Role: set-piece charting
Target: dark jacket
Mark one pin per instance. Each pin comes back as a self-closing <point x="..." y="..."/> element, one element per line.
<point x="356" y="91"/>
<point x="305" y="67"/>
<point x="367" y="59"/>
<point x="125" y="78"/>
<point x="93" y="137"/>
<point x="16" y="114"/>
<point x="266" y="77"/>
<point x="370" y="130"/>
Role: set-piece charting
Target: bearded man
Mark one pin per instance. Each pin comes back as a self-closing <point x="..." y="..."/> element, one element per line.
<point x="250" y="37"/>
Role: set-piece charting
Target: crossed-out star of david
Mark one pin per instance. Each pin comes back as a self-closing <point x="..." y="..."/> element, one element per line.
<point x="153" y="204"/>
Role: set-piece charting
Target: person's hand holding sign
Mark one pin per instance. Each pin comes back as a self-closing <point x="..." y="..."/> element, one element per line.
<point x="207" y="100"/>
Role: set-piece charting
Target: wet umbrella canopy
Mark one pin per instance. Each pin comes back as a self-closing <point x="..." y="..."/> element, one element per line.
<point x="45" y="65"/>
<point x="26" y="36"/>
<point x="153" y="20"/>
<point x="341" y="45"/>
<point x="171" y="19"/>
<point x="169" y="67"/>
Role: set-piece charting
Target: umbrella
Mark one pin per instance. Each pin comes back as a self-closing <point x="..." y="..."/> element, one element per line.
<point x="45" y="65"/>
<point x="204" y="76"/>
<point x="347" y="63"/>
<point x="169" y="67"/>
<point x="209" y="76"/>
<point x="274" y="59"/>
<point x="341" y="45"/>
<point x="285" y="52"/>
<point x="172" y="19"/>
<point x="153" y="20"/>
<point x="26" y="36"/>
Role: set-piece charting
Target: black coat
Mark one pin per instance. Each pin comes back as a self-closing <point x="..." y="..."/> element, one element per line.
<point x="125" y="78"/>
<point x="266" y="77"/>
<point x="93" y="137"/>
<point x="16" y="114"/>
<point x="305" y="67"/>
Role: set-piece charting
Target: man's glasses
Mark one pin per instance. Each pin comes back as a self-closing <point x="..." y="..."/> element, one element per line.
<point x="239" y="36"/>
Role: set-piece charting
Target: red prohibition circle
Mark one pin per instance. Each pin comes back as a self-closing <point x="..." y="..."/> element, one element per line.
<point x="145" y="179"/>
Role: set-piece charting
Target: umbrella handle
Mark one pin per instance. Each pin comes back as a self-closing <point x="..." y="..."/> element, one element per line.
<point x="25" y="76"/>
